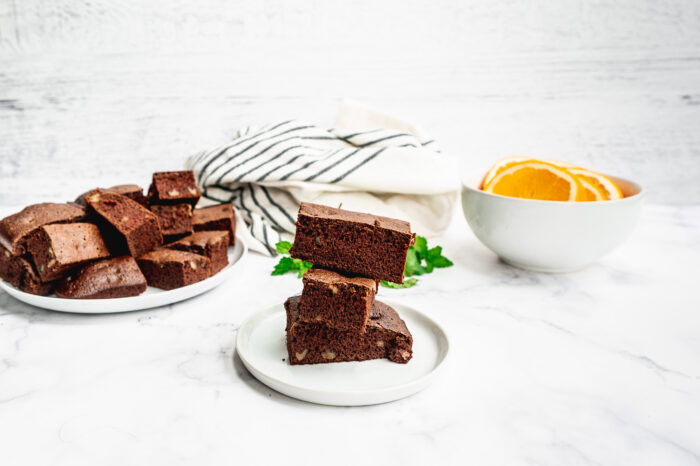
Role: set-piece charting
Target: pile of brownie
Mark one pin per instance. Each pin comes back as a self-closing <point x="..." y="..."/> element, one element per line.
<point x="113" y="242"/>
<point x="336" y="318"/>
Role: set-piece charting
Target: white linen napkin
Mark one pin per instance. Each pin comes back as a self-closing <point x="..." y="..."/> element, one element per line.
<point x="370" y="162"/>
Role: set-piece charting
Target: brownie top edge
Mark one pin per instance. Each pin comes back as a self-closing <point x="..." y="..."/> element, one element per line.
<point x="329" y="276"/>
<point x="317" y="210"/>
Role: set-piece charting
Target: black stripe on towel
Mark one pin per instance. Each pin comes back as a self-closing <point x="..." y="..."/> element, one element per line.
<point x="279" y="207"/>
<point x="230" y="146"/>
<point x="359" y="165"/>
<point x="274" y="143"/>
<point x="308" y="164"/>
<point x="317" y="174"/>
<point x="249" y="147"/>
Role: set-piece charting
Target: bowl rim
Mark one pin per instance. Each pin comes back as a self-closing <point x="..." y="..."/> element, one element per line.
<point x="469" y="183"/>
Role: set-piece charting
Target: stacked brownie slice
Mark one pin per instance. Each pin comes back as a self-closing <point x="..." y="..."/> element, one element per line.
<point x="109" y="242"/>
<point x="337" y="318"/>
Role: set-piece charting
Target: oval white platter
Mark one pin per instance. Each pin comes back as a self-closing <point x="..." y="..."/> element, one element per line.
<point x="152" y="297"/>
<point x="261" y="346"/>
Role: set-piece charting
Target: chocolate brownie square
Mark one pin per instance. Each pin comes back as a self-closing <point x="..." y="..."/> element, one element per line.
<point x="57" y="249"/>
<point x="174" y="219"/>
<point x="332" y="299"/>
<point x="174" y="188"/>
<point x="15" y="229"/>
<point x="211" y="244"/>
<point x="10" y="269"/>
<point x="19" y="272"/>
<point x="127" y="226"/>
<point x="216" y="217"/>
<point x="386" y="336"/>
<point x="132" y="191"/>
<point x="352" y="242"/>
<point x="168" y="268"/>
<point x="109" y="278"/>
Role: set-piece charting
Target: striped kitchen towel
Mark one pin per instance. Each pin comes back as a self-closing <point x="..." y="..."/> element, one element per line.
<point x="383" y="166"/>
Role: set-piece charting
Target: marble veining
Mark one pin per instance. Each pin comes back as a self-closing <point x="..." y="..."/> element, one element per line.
<point x="597" y="367"/>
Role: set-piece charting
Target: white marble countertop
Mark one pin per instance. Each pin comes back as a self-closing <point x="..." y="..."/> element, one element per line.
<point x="601" y="366"/>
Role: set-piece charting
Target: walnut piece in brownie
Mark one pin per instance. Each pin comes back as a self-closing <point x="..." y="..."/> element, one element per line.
<point x="169" y="269"/>
<point x="109" y="278"/>
<point x="127" y="226"/>
<point x="216" y="217"/>
<point x="340" y="302"/>
<point x="174" y="188"/>
<point x="386" y="336"/>
<point x="174" y="219"/>
<point x="211" y="244"/>
<point x="352" y="242"/>
<point x="15" y="229"/>
<point x="60" y="248"/>
<point x="19" y="272"/>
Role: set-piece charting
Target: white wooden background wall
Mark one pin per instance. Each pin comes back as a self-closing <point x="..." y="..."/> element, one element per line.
<point x="107" y="91"/>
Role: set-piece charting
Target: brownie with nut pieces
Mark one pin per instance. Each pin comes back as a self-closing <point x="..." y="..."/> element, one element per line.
<point x="174" y="188"/>
<point x="20" y="273"/>
<point x="118" y="277"/>
<point x="15" y="229"/>
<point x="211" y="244"/>
<point x="174" y="220"/>
<point x="341" y="302"/>
<point x="386" y="336"/>
<point x="60" y="248"/>
<point x="127" y="226"/>
<point x="216" y="217"/>
<point x="169" y="268"/>
<point x="352" y="242"/>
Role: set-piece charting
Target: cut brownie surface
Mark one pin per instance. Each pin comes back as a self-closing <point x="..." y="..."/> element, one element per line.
<point x="337" y="301"/>
<point x="174" y="219"/>
<point x="19" y="272"/>
<point x="352" y="242"/>
<point x="128" y="227"/>
<point x="173" y="188"/>
<point x="386" y="336"/>
<point x="110" y="278"/>
<point x="212" y="244"/>
<point x="217" y="217"/>
<point x="15" y="229"/>
<point x="168" y="268"/>
<point x="10" y="268"/>
<point x="59" y="248"/>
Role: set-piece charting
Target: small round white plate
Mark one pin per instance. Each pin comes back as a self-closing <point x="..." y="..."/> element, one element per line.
<point x="261" y="346"/>
<point x="152" y="297"/>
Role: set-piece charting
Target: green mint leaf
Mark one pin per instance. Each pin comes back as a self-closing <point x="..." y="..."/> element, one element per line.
<point x="413" y="263"/>
<point x="283" y="247"/>
<point x="286" y="264"/>
<point x="408" y="283"/>
<point x="303" y="267"/>
<point x="421" y="246"/>
<point x="436" y="258"/>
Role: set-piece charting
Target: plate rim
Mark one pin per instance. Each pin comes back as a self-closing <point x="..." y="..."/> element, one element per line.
<point x="36" y="300"/>
<point x="419" y="382"/>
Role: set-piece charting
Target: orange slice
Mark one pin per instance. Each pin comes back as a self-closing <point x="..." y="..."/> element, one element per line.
<point x="499" y="166"/>
<point x="534" y="179"/>
<point x="604" y="184"/>
<point x="589" y="192"/>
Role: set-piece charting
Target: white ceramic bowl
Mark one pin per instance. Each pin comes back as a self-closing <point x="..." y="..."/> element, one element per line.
<point x="550" y="236"/>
